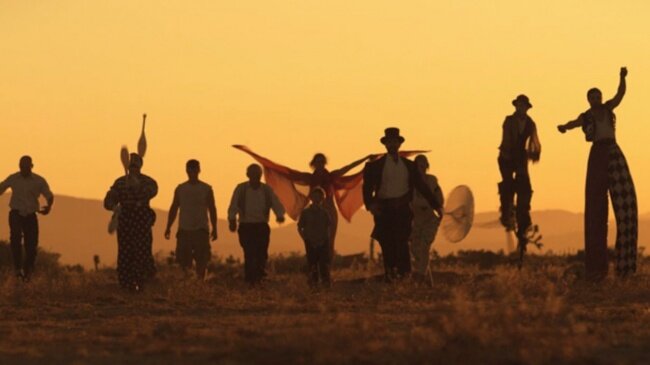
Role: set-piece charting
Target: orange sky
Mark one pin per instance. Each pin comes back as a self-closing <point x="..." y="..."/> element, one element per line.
<point x="290" y="78"/>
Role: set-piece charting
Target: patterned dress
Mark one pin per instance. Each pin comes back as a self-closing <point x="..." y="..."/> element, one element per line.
<point x="135" y="261"/>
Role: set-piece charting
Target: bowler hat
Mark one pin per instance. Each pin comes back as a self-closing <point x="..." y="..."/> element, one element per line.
<point x="522" y="99"/>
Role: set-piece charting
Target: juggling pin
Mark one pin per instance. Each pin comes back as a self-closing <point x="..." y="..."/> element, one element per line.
<point x="124" y="156"/>
<point x="142" y="142"/>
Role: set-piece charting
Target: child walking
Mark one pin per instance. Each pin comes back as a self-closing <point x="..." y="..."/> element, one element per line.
<point x="313" y="226"/>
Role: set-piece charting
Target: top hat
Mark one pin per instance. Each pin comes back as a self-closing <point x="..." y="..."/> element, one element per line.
<point x="390" y="133"/>
<point x="522" y="99"/>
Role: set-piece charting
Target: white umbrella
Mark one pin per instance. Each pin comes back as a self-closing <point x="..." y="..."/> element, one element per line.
<point x="458" y="214"/>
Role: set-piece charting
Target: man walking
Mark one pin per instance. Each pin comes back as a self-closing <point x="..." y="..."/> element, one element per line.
<point x="195" y="199"/>
<point x="252" y="202"/>
<point x="388" y="185"/>
<point x="26" y="187"/>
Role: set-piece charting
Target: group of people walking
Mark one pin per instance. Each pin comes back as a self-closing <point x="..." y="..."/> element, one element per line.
<point x="405" y="201"/>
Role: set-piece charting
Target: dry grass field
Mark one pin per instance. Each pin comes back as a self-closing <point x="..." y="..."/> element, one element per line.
<point x="479" y="310"/>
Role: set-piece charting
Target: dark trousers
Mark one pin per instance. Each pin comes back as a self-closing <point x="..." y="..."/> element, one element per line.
<point x="23" y="227"/>
<point x="318" y="261"/>
<point x="515" y="181"/>
<point x="254" y="239"/>
<point x="392" y="231"/>
<point x="193" y="246"/>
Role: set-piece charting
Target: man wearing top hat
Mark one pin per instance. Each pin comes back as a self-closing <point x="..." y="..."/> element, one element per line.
<point x="388" y="185"/>
<point x="519" y="144"/>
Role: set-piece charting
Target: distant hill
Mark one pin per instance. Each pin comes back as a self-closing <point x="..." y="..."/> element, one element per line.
<point x="77" y="229"/>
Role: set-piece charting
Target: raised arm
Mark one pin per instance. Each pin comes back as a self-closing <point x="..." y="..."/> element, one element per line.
<point x="171" y="217"/>
<point x="613" y="103"/>
<point x="345" y="169"/>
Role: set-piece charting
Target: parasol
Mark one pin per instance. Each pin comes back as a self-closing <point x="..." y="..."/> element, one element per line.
<point x="459" y="214"/>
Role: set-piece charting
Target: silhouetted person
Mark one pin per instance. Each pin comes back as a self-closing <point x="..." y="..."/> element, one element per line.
<point x="26" y="188"/>
<point x="195" y="199"/>
<point x="425" y="219"/>
<point x="252" y="202"/>
<point x="340" y="189"/>
<point x="132" y="194"/>
<point x="314" y="228"/>
<point x="388" y="185"/>
<point x="519" y="144"/>
<point x="607" y="171"/>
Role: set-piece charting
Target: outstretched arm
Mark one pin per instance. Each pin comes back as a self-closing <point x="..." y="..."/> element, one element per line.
<point x="345" y="169"/>
<point x="297" y="177"/>
<point x="300" y="178"/>
<point x="570" y="125"/>
<point x="613" y="103"/>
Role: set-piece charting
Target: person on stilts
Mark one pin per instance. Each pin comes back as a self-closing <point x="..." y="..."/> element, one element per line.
<point x="519" y="144"/>
<point x="607" y="172"/>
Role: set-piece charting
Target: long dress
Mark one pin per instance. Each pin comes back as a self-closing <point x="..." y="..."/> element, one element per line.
<point x="135" y="261"/>
<point x="425" y="226"/>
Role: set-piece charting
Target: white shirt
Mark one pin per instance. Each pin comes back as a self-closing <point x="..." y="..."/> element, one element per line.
<point x="394" y="179"/>
<point x="25" y="192"/>
<point x="193" y="201"/>
<point x="255" y="208"/>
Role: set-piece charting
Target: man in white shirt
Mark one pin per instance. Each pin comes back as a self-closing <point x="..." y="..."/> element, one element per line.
<point x="388" y="185"/>
<point x="252" y="202"/>
<point x="195" y="199"/>
<point x="26" y="188"/>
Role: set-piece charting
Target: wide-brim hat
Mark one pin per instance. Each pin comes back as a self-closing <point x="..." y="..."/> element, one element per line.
<point x="522" y="100"/>
<point x="391" y="133"/>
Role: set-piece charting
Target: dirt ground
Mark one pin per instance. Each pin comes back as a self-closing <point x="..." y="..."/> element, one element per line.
<point x="543" y="314"/>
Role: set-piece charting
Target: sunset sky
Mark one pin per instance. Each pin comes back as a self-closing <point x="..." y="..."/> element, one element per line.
<point x="291" y="78"/>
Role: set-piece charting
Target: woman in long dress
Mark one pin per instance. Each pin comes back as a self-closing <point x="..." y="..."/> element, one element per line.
<point x="132" y="193"/>
<point x="425" y="220"/>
